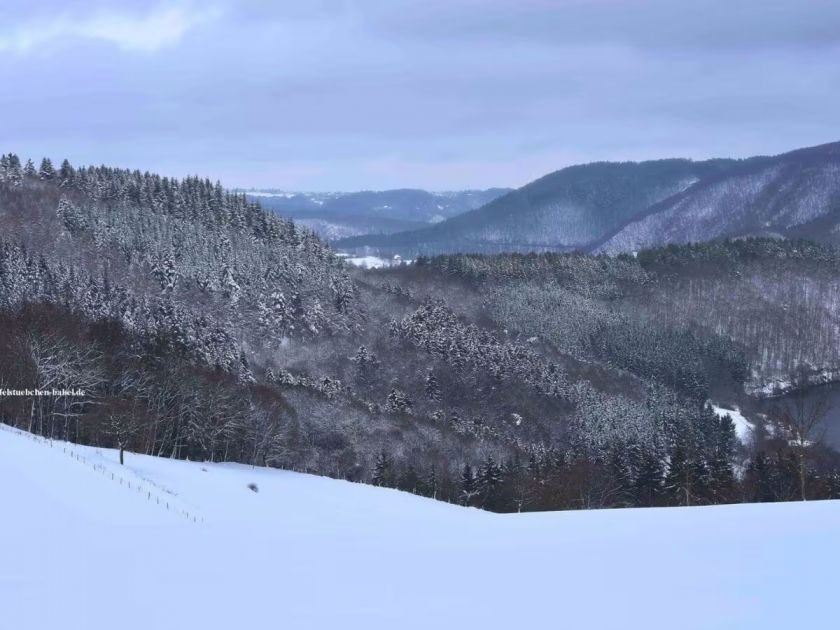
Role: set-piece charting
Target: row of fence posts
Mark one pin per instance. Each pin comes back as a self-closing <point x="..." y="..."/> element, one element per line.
<point x="102" y="470"/>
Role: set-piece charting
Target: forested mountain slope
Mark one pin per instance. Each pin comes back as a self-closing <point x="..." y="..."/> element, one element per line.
<point x="199" y="325"/>
<point x="776" y="301"/>
<point x="181" y="258"/>
<point x="611" y="207"/>
<point x="564" y="210"/>
<point x="792" y="195"/>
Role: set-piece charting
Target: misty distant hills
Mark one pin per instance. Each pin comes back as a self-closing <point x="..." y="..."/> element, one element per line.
<point x="338" y="215"/>
<point x="564" y="210"/>
<point x="615" y="207"/>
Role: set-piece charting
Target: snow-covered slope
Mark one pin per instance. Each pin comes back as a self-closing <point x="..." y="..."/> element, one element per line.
<point x="625" y="207"/>
<point x="81" y="550"/>
<point x="743" y="428"/>
<point x="567" y="209"/>
<point x="795" y="194"/>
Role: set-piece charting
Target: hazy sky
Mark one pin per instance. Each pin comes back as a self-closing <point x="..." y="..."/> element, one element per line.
<point x="439" y="94"/>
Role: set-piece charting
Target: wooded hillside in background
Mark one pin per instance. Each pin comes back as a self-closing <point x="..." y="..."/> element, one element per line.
<point x="200" y="325"/>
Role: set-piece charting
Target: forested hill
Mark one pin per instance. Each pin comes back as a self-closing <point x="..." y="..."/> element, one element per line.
<point x="199" y="326"/>
<point x="337" y="215"/>
<point x="184" y="259"/>
<point x="624" y="207"/>
<point x="563" y="210"/>
<point x="792" y="195"/>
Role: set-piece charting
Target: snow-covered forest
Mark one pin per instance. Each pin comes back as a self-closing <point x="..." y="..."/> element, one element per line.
<point x="398" y="314"/>
<point x="200" y="326"/>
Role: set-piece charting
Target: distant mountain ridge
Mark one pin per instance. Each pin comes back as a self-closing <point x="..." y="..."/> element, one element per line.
<point x="620" y="207"/>
<point x="792" y="195"/>
<point x="336" y="215"/>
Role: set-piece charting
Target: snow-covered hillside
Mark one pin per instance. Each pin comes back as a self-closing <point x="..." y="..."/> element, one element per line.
<point x="779" y="197"/>
<point x="80" y="549"/>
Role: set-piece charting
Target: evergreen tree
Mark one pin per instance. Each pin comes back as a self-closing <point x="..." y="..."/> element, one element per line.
<point x="622" y="477"/>
<point x="432" y="387"/>
<point x="832" y="485"/>
<point x="721" y="476"/>
<point x="430" y="484"/>
<point x="66" y="174"/>
<point x="409" y="480"/>
<point x="383" y="470"/>
<point x="649" y="480"/>
<point x="721" y="479"/>
<point x="13" y="170"/>
<point x="246" y="377"/>
<point x="165" y="272"/>
<point x="46" y="172"/>
<point x="280" y="310"/>
<point x="679" y="482"/>
<point x="488" y="484"/>
<point x="469" y="491"/>
<point x="514" y="489"/>
<point x="701" y="480"/>
<point x="398" y="402"/>
<point x="366" y="364"/>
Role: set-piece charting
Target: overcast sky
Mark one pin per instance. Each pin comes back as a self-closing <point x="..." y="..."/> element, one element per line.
<point x="438" y="94"/>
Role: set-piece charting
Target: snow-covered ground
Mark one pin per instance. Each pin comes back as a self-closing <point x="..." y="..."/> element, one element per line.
<point x="744" y="429"/>
<point x="82" y="550"/>
<point x="369" y="262"/>
<point x="375" y="262"/>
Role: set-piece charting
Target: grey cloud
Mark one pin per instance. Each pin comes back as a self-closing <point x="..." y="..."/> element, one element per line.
<point x="353" y="95"/>
<point x="710" y="24"/>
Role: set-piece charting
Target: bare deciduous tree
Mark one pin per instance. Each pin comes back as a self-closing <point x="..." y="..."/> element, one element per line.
<point x="122" y="424"/>
<point x="803" y="418"/>
<point x="62" y="365"/>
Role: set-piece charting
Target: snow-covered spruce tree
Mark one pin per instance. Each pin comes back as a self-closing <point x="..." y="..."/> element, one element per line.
<point x="432" y="388"/>
<point x="46" y="171"/>
<point x="366" y="364"/>
<point x="469" y="489"/>
<point x="383" y="474"/>
<point x="398" y="402"/>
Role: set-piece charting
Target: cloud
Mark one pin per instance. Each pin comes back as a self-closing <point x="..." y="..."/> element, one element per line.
<point x="700" y="24"/>
<point x="146" y="33"/>
<point x="354" y="94"/>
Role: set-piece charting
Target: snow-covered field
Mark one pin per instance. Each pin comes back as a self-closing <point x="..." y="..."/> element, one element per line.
<point x="375" y="262"/>
<point x="82" y="550"/>
<point x="369" y="262"/>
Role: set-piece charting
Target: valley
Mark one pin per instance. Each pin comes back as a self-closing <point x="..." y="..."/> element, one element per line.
<point x="626" y="207"/>
<point x="201" y="326"/>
